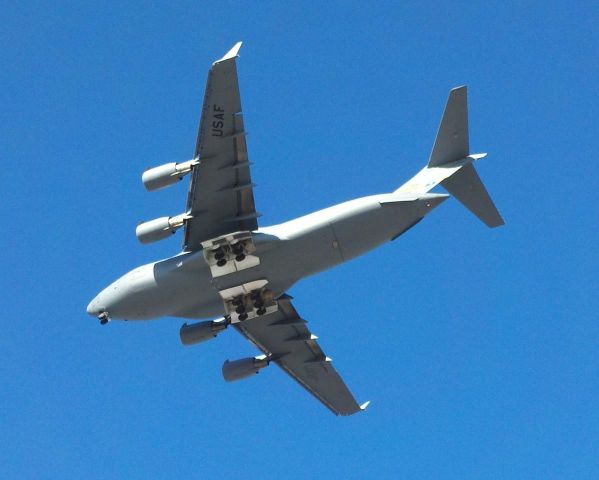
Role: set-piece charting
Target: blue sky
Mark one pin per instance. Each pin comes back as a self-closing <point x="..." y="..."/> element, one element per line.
<point x="478" y="348"/>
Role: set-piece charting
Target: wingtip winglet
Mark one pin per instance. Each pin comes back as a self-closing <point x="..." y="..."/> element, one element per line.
<point x="364" y="406"/>
<point x="234" y="52"/>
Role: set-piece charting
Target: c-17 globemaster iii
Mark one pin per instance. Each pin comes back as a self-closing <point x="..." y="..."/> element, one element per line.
<point x="234" y="270"/>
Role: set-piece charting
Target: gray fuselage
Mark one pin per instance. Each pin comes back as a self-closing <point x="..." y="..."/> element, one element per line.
<point x="183" y="286"/>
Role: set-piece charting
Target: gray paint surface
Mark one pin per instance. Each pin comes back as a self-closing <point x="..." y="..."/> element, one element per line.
<point x="221" y="202"/>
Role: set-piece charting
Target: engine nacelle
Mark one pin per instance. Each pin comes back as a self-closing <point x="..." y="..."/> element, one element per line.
<point x="166" y="175"/>
<point x="160" y="228"/>
<point x="246" y="367"/>
<point x="202" y="331"/>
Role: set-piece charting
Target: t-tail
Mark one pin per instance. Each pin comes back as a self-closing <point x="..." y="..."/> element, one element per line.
<point x="451" y="163"/>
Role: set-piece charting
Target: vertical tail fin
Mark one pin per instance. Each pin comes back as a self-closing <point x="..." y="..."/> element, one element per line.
<point x="451" y="143"/>
<point x="451" y="163"/>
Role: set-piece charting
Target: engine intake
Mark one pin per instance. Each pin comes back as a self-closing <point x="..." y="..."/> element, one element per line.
<point x="160" y="228"/>
<point x="167" y="174"/>
<point x="246" y="367"/>
<point x="202" y="331"/>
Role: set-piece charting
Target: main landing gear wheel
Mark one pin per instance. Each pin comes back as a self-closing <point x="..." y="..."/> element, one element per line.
<point x="240" y="310"/>
<point x="219" y="256"/>
<point x="243" y="316"/>
<point x="237" y="301"/>
<point x="261" y="311"/>
<point x="238" y="251"/>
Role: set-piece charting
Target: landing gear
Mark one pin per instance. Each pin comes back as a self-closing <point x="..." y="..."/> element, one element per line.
<point x="237" y="301"/>
<point x="104" y="318"/>
<point x="258" y="301"/>
<point x="219" y="256"/>
<point x="238" y="251"/>
<point x="230" y="253"/>
<point x="248" y="301"/>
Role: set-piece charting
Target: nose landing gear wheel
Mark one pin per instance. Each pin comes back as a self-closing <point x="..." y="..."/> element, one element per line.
<point x="261" y="311"/>
<point x="243" y="317"/>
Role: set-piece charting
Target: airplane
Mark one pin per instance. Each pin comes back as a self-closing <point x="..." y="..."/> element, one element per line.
<point x="232" y="269"/>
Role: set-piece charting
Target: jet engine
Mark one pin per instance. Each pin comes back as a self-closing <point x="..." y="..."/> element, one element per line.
<point x="160" y="228"/>
<point x="202" y="331"/>
<point x="167" y="174"/>
<point x="246" y="367"/>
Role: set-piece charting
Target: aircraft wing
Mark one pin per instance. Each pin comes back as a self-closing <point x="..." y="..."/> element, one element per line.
<point x="284" y="337"/>
<point x="220" y="198"/>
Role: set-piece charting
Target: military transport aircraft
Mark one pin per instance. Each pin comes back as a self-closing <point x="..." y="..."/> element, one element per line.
<point x="231" y="268"/>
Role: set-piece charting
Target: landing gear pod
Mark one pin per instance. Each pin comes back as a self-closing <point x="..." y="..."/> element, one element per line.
<point x="160" y="228"/>
<point x="246" y="367"/>
<point x="202" y="331"/>
<point x="166" y="175"/>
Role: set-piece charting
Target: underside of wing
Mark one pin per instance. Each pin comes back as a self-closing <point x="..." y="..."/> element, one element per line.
<point x="285" y="338"/>
<point x="220" y="197"/>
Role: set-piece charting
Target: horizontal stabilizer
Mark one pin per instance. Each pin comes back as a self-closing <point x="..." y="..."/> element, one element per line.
<point x="465" y="185"/>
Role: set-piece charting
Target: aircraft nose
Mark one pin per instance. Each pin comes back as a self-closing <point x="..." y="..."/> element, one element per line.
<point x="97" y="305"/>
<point x="92" y="308"/>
